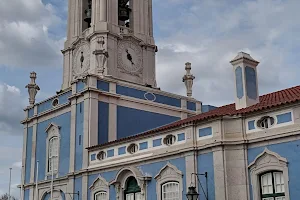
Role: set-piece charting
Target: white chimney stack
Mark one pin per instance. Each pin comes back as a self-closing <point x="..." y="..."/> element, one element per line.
<point x="246" y="82"/>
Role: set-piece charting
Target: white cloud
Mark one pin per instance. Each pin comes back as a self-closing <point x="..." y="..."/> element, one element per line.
<point x="24" y="38"/>
<point x="211" y="33"/>
<point x="11" y="109"/>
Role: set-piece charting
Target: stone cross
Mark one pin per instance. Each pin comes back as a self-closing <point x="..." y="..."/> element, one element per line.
<point x="188" y="79"/>
<point x="33" y="88"/>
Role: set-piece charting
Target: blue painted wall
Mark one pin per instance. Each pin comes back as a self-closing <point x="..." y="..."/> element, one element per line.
<point x="64" y="121"/>
<point x="103" y="113"/>
<point x="206" y="164"/>
<point x="251" y="82"/>
<point x="79" y="136"/>
<point x="154" y="168"/>
<point x="191" y="105"/>
<point x="26" y="194"/>
<point x="108" y="176"/>
<point x="28" y="154"/>
<point x="78" y="187"/>
<point x="290" y="151"/>
<point x="140" y="94"/>
<point x="239" y="82"/>
<point x="207" y="108"/>
<point x="80" y="86"/>
<point x="30" y="112"/>
<point x="102" y="85"/>
<point x="48" y="104"/>
<point x="132" y="121"/>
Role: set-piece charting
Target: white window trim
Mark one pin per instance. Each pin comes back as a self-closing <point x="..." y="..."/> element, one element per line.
<point x="264" y="162"/>
<point x="99" y="185"/>
<point x="52" y="131"/>
<point x="169" y="173"/>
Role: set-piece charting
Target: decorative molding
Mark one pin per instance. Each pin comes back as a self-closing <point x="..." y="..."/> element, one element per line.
<point x="99" y="185"/>
<point x="169" y="173"/>
<point x="264" y="162"/>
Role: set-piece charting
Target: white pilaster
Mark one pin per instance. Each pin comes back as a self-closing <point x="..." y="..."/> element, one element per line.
<point x="93" y="122"/>
<point x="219" y="174"/>
<point x="33" y="151"/>
<point x="112" y="121"/>
<point x="86" y="131"/>
<point x="103" y="10"/>
<point x="73" y="135"/>
<point x="85" y="186"/>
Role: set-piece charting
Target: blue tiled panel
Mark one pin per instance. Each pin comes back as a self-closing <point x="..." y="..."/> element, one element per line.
<point x="93" y="157"/>
<point x="30" y="112"/>
<point x="239" y="82"/>
<point x="103" y="112"/>
<point x="288" y="150"/>
<point x="207" y="108"/>
<point x="154" y="168"/>
<point x="28" y="154"/>
<point x="284" y="118"/>
<point x="143" y="145"/>
<point x="78" y="187"/>
<point x="132" y="121"/>
<point x="110" y="153"/>
<point x="122" y="150"/>
<point x="181" y="136"/>
<point x="157" y="142"/>
<point x="48" y="104"/>
<point x="26" y="194"/>
<point x="64" y="121"/>
<point x="206" y="164"/>
<point x="79" y="135"/>
<point x="80" y="86"/>
<point x="141" y="95"/>
<point x="108" y="176"/>
<point x="251" y="125"/>
<point x="102" y="85"/>
<point x="191" y="105"/>
<point x="251" y="82"/>
<point x="205" y="132"/>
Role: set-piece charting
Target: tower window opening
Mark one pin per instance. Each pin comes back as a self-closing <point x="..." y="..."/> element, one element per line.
<point x="125" y="12"/>
<point x="88" y="14"/>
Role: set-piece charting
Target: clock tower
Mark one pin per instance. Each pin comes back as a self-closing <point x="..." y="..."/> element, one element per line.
<point x="110" y="38"/>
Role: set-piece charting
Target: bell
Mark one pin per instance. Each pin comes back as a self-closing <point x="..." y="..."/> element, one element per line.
<point x="88" y="13"/>
<point x="124" y="13"/>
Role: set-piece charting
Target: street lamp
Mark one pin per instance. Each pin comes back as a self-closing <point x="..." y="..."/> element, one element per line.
<point x="192" y="193"/>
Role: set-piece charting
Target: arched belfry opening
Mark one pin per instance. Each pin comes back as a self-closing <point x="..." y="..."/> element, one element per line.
<point x="125" y="13"/>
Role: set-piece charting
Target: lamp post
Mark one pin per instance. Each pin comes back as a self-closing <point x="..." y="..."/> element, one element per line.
<point x="9" y="183"/>
<point x="192" y="193"/>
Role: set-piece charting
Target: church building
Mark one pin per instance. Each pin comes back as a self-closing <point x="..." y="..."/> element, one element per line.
<point x="110" y="133"/>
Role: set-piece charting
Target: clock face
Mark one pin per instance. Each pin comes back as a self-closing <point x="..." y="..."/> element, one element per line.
<point x="130" y="56"/>
<point x="81" y="62"/>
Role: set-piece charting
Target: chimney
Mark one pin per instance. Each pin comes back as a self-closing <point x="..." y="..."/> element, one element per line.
<point x="246" y="82"/>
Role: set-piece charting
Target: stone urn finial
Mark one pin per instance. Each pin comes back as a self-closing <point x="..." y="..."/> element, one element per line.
<point x="33" y="88"/>
<point x="188" y="79"/>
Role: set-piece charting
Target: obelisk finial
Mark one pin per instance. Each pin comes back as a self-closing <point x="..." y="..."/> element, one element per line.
<point x="188" y="79"/>
<point x="33" y="88"/>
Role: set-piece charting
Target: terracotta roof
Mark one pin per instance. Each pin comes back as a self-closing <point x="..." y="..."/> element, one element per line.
<point x="267" y="101"/>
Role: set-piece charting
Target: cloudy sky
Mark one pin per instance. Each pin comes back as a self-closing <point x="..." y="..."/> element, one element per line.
<point x="207" y="33"/>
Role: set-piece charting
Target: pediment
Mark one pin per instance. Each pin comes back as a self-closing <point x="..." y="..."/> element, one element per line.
<point x="169" y="170"/>
<point x="100" y="182"/>
<point x="52" y="127"/>
<point x="268" y="157"/>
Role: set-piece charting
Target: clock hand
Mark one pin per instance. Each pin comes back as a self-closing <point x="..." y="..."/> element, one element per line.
<point x="129" y="57"/>
<point x="81" y="59"/>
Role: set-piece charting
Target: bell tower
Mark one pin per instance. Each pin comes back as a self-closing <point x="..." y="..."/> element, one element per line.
<point x="110" y="38"/>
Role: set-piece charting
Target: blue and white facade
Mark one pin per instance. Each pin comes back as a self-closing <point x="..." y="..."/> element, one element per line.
<point x="111" y="134"/>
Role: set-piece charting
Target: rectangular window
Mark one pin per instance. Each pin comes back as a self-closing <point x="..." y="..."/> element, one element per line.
<point x="79" y="140"/>
<point x="272" y="186"/>
<point x="170" y="191"/>
<point x="279" y="182"/>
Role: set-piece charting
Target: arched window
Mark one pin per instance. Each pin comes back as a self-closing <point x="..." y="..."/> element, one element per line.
<point x="170" y="191"/>
<point x="101" y="196"/>
<point x="272" y="186"/>
<point x="132" y="191"/>
<point x="53" y="154"/>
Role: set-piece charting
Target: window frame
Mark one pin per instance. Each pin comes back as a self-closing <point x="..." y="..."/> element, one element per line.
<point x="169" y="182"/>
<point x="99" y="192"/>
<point x="52" y="131"/>
<point x="99" y="185"/>
<point x="274" y="194"/>
<point x="259" y="166"/>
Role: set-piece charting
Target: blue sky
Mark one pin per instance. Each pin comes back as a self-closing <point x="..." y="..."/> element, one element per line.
<point x="207" y="33"/>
